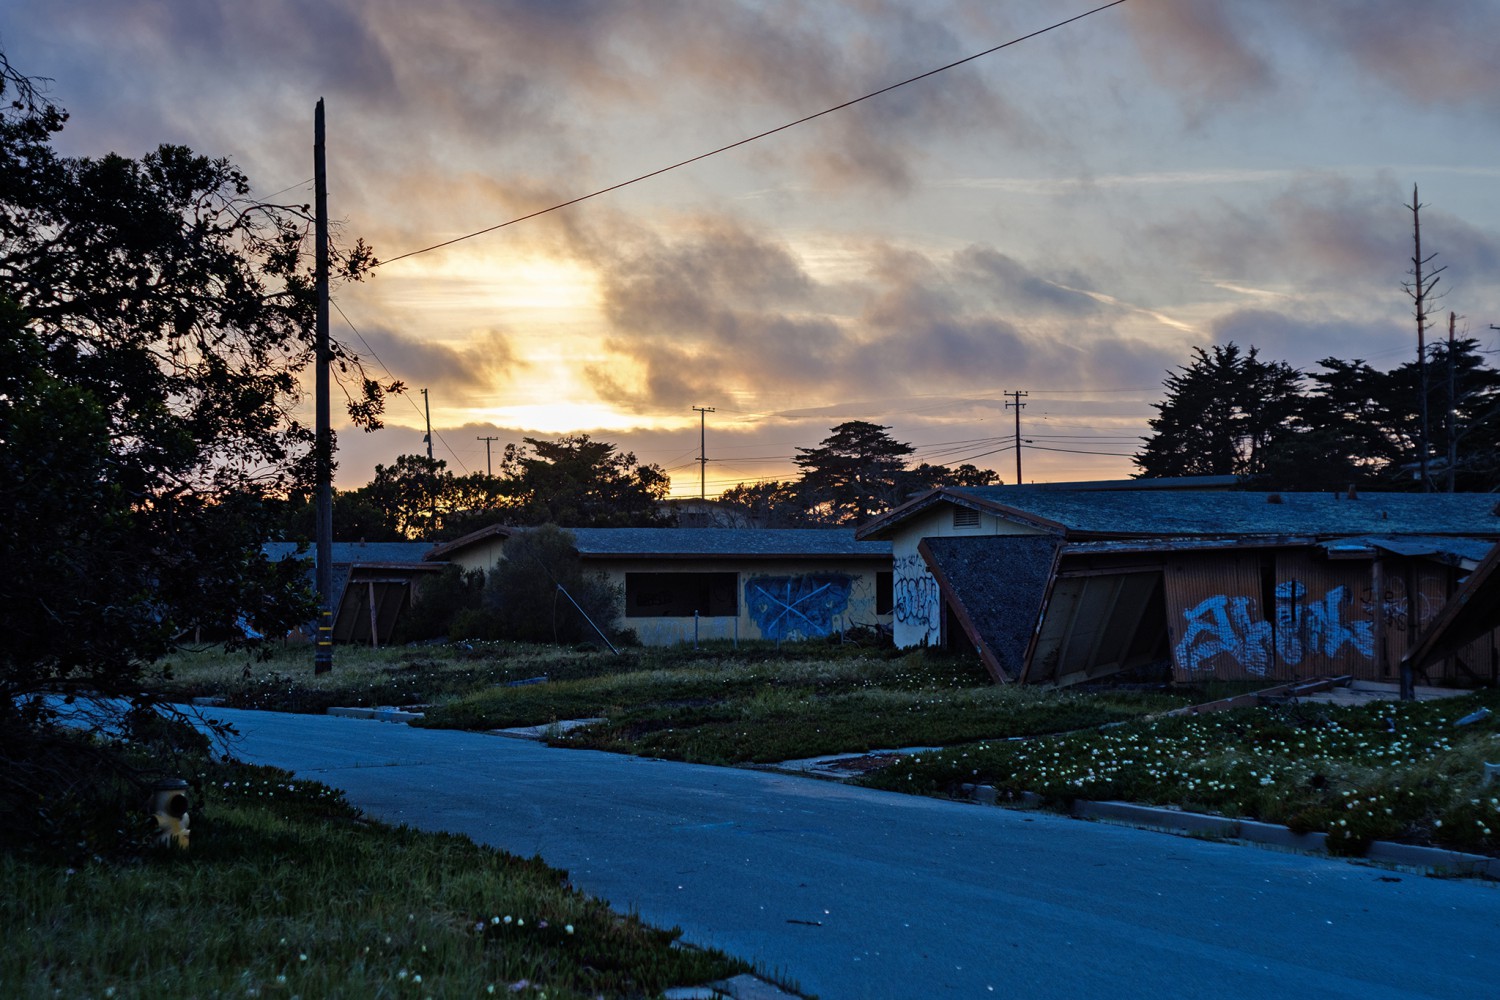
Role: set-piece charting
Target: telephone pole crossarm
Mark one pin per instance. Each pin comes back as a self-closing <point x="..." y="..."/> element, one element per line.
<point x="703" y="412"/>
<point x="1019" y="406"/>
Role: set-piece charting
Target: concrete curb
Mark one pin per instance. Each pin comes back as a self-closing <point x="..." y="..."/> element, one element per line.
<point x="543" y="732"/>
<point x="743" y="987"/>
<point x="384" y="713"/>
<point x="1432" y="860"/>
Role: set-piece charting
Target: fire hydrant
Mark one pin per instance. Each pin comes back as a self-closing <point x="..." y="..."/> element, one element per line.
<point x="169" y="807"/>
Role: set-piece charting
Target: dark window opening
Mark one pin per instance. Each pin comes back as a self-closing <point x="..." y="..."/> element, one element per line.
<point x="885" y="592"/>
<point x="680" y="595"/>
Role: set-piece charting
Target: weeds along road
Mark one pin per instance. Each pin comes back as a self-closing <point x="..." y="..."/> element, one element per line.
<point x="861" y="895"/>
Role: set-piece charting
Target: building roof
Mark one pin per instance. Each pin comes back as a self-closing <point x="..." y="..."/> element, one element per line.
<point x="1144" y="514"/>
<point x="362" y="553"/>
<point x="698" y="543"/>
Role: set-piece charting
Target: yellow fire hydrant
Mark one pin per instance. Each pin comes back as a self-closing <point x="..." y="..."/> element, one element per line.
<point x="169" y="807"/>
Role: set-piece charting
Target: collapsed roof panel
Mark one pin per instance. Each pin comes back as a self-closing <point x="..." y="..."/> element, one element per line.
<point x="997" y="587"/>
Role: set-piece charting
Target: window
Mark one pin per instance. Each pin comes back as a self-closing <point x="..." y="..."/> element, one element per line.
<point x="885" y="592"/>
<point x="965" y="517"/>
<point x="680" y="595"/>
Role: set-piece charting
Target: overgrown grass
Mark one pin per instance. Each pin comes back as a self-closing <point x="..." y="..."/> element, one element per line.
<point x="1388" y="770"/>
<point x="726" y="711"/>
<point x="282" y="678"/>
<point x="286" y="892"/>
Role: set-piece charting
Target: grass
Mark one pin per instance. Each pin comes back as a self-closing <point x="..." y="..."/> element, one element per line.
<point x="1388" y="770"/>
<point x="723" y="710"/>
<point x="286" y="892"/>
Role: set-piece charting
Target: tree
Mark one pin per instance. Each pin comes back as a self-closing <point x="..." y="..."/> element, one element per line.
<point x="154" y="321"/>
<point x="926" y="477"/>
<point x="1224" y="413"/>
<point x="524" y="595"/>
<point x="854" y="473"/>
<point x="776" y="503"/>
<point x="578" y="482"/>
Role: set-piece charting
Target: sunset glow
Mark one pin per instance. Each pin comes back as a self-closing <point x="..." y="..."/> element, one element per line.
<point x="1066" y="217"/>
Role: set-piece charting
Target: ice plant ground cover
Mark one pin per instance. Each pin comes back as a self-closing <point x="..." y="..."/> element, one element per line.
<point x="286" y="892"/>
<point x="1406" y="771"/>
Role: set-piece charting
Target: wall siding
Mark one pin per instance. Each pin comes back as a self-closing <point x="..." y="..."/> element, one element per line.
<point x="777" y="599"/>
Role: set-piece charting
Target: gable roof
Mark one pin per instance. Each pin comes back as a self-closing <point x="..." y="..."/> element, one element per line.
<point x="698" y="543"/>
<point x="1139" y="513"/>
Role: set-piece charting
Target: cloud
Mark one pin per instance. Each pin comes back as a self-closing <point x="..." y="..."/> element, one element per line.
<point x="1199" y="48"/>
<point x="1319" y="231"/>
<point x="707" y="307"/>
<point x="487" y="358"/>
<point x="1431" y="54"/>
<point x="1301" y="342"/>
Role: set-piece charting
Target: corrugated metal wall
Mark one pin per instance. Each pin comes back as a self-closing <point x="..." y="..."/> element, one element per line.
<point x="1281" y="614"/>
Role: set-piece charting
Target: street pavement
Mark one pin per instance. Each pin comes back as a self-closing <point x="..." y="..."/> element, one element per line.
<point x="855" y="894"/>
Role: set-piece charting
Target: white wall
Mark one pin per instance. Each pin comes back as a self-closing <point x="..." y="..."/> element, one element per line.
<point x="918" y="614"/>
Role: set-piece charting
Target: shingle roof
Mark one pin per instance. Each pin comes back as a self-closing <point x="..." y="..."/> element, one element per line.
<point x="689" y="543"/>
<point x="1163" y="514"/>
<point x="355" y="552"/>
<point x="756" y="543"/>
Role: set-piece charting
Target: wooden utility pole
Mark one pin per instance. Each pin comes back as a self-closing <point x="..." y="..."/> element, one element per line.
<point x="703" y="412"/>
<point x="323" y="430"/>
<point x="488" y="468"/>
<point x="1019" y="407"/>
<point x="427" y="413"/>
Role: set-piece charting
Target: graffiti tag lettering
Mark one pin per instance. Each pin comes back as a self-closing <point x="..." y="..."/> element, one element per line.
<point x="1228" y="625"/>
<point x="915" y="596"/>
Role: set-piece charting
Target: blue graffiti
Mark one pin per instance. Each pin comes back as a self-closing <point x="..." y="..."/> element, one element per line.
<point x="789" y="607"/>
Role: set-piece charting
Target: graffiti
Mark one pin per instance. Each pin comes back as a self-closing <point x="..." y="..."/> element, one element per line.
<point x="1224" y="625"/>
<point x="787" y="607"/>
<point x="1393" y="607"/>
<point x="915" y="598"/>
<point x="1228" y="625"/>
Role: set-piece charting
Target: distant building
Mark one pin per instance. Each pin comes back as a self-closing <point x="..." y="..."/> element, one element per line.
<point x="1070" y="584"/>
<point x="372" y="583"/>
<point x="682" y="583"/>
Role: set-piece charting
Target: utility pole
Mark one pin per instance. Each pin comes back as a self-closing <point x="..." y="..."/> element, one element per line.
<point x="323" y="436"/>
<point x="488" y="469"/>
<point x="1019" y="407"/>
<point x="427" y="412"/>
<point x="703" y="412"/>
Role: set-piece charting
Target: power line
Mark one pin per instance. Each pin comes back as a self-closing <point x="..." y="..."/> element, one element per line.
<point x="753" y="138"/>
<point x="392" y="375"/>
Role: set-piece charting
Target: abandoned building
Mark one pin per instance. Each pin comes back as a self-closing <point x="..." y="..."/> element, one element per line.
<point x="373" y="583"/>
<point x="1070" y="585"/>
<point x="682" y="584"/>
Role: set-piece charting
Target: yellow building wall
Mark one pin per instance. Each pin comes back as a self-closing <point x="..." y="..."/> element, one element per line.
<point x="776" y="599"/>
<point x="481" y="555"/>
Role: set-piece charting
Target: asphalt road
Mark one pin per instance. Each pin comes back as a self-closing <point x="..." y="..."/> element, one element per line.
<point x="863" y="895"/>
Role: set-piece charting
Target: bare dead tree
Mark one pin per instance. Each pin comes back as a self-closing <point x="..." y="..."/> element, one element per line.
<point x="1420" y="289"/>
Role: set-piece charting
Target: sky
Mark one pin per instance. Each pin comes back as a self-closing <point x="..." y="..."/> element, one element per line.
<point x="1067" y="217"/>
